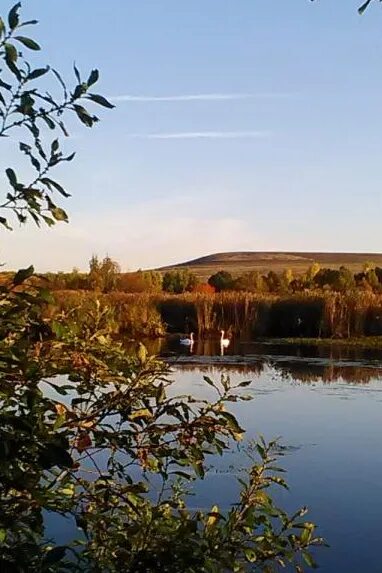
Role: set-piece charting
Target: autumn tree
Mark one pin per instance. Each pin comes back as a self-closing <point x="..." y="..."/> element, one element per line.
<point x="103" y="275"/>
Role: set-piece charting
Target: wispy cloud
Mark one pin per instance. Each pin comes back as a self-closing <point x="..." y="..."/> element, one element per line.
<point x="197" y="97"/>
<point x="203" y="135"/>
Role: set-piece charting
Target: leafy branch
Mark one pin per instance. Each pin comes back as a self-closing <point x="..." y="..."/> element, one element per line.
<point x="25" y="106"/>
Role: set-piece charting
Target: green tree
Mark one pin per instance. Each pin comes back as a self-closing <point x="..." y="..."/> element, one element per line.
<point x="222" y="280"/>
<point x="179" y="281"/>
<point x="251" y="281"/>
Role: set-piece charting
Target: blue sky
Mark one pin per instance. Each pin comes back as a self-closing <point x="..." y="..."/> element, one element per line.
<point x="246" y="125"/>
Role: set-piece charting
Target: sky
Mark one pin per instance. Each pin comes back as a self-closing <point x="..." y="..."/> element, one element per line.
<point x="239" y="125"/>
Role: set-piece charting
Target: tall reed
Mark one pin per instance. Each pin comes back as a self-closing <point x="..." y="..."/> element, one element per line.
<point x="246" y="315"/>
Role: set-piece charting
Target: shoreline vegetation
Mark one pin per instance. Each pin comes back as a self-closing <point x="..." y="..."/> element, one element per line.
<point x="324" y="305"/>
<point x="324" y="318"/>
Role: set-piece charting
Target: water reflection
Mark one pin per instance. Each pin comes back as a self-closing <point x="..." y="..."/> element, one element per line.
<point x="332" y="434"/>
<point x="306" y="364"/>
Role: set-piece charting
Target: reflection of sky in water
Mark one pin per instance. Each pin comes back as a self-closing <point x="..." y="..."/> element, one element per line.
<point x="334" y="465"/>
<point x="332" y="427"/>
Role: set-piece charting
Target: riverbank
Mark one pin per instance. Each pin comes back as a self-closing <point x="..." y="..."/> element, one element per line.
<point x="367" y="342"/>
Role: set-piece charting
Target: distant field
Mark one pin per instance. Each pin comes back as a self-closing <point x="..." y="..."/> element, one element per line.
<point x="240" y="262"/>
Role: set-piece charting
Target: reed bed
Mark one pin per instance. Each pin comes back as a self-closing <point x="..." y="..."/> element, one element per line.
<point x="247" y="315"/>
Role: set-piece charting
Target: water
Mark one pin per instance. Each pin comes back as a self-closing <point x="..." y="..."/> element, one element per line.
<point x="327" y="407"/>
<point x="326" y="404"/>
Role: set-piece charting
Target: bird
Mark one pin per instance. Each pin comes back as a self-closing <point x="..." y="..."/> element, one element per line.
<point x="187" y="341"/>
<point x="224" y="342"/>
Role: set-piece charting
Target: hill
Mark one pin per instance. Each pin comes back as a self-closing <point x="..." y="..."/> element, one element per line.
<point x="240" y="262"/>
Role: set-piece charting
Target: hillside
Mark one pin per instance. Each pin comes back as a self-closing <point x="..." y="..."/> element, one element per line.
<point x="239" y="262"/>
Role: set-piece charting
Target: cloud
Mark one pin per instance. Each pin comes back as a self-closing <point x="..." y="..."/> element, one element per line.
<point x="197" y="97"/>
<point x="203" y="135"/>
<point x="149" y="234"/>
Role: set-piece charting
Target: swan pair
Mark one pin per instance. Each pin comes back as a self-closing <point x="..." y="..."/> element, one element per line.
<point x="224" y="342"/>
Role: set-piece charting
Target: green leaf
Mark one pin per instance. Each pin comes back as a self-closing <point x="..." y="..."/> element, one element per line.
<point x="59" y="214"/>
<point x="48" y="220"/>
<point x="2" y="27"/>
<point x="55" y="145"/>
<point x="22" y="275"/>
<point x="51" y="183"/>
<point x="10" y="53"/>
<point x="250" y="554"/>
<point x="13" y="16"/>
<point x="77" y="73"/>
<point x="28" y="23"/>
<point x="49" y="122"/>
<point x="93" y="78"/>
<point x="4" y="222"/>
<point x="232" y="423"/>
<point x="364" y="6"/>
<point x="37" y="73"/>
<point x="309" y="560"/>
<point x="100" y="100"/>
<point x="5" y="85"/>
<point x="209" y="381"/>
<point x="28" y="42"/>
<point x="3" y="535"/>
<point x="84" y="116"/>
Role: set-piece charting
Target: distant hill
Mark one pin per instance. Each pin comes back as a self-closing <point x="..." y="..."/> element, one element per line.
<point x="239" y="262"/>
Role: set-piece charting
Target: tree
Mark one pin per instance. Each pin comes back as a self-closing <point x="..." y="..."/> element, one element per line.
<point x="222" y="280"/>
<point x="251" y="281"/>
<point x="103" y="276"/>
<point x="179" y="281"/>
<point x="140" y="281"/>
<point x="286" y="279"/>
<point x="312" y="271"/>
<point x="273" y="281"/>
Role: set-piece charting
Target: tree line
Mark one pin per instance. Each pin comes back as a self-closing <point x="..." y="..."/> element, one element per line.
<point x="105" y="276"/>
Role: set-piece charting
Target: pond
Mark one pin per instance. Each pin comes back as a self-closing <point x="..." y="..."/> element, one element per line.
<point x="326" y="405"/>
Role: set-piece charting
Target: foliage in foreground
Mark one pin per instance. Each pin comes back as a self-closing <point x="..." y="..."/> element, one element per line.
<point x="110" y="445"/>
<point x="91" y="434"/>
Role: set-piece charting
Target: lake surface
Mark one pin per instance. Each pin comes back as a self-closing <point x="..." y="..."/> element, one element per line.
<point x="326" y="404"/>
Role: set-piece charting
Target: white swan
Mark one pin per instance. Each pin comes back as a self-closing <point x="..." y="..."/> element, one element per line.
<point x="187" y="341"/>
<point x="224" y="342"/>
